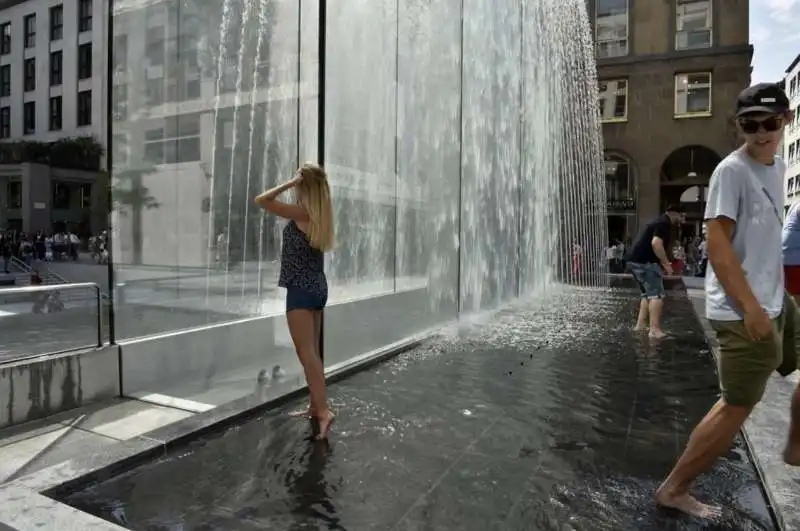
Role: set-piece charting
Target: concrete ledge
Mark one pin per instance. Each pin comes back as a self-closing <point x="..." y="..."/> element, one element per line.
<point x="40" y="387"/>
<point x="152" y="364"/>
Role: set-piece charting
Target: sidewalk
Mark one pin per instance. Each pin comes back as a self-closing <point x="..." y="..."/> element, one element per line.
<point x="766" y="429"/>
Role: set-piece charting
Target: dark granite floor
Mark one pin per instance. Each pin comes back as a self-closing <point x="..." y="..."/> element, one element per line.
<point x="556" y="418"/>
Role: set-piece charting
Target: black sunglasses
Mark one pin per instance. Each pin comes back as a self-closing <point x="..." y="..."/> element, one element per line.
<point x="771" y="124"/>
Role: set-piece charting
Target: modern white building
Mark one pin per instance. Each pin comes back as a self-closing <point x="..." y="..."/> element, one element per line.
<point x="52" y="86"/>
<point x="791" y="139"/>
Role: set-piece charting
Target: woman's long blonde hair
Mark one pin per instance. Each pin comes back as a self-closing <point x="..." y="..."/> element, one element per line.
<point x="314" y="194"/>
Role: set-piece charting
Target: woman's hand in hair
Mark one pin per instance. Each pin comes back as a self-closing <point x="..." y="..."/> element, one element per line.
<point x="268" y="201"/>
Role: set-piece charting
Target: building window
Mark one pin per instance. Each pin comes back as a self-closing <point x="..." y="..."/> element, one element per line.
<point x="620" y="188"/>
<point x="29" y="82"/>
<point x="178" y="141"/>
<point x="120" y="103"/>
<point x="14" y="190"/>
<point x="56" y="23"/>
<point x="30" y="31"/>
<point x="62" y="196"/>
<point x="693" y="24"/>
<point x="613" y="100"/>
<point x="86" y="195"/>
<point x="193" y="89"/>
<point x="155" y="45"/>
<point x="29" y="118"/>
<point x="693" y="94"/>
<point x="790" y="185"/>
<point x="154" y="91"/>
<point x="5" y="81"/>
<point x="121" y="52"/>
<point x="56" y="68"/>
<point x="85" y="61"/>
<point x="119" y="145"/>
<point x="5" y="122"/>
<point x="55" y="113"/>
<point x="611" y="28"/>
<point x="5" y="43"/>
<point x="84" y="15"/>
<point x="84" y="108"/>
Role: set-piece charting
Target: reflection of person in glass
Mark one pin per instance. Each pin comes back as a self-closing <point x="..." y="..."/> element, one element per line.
<point x="306" y="237"/>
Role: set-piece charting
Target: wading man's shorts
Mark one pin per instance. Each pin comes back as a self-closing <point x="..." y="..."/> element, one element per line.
<point x="745" y="365"/>
<point x="649" y="278"/>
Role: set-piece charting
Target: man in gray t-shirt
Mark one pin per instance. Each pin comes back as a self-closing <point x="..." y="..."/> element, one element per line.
<point x="744" y="290"/>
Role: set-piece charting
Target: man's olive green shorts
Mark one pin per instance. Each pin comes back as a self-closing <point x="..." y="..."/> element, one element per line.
<point x="745" y="365"/>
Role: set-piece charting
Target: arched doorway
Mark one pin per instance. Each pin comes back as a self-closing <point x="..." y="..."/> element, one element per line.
<point x="620" y="197"/>
<point x="685" y="175"/>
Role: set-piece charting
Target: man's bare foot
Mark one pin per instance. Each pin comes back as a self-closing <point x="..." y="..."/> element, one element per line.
<point x="687" y="504"/>
<point x="639" y="328"/>
<point x="325" y="420"/>
<point x="791" y="454"/>
<point x="657" y="334"/>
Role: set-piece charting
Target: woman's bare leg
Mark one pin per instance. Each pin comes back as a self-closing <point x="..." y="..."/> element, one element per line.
<point x="324" y="421"/>
<point x="301" y="328"/>
<point x="309" y="411"/>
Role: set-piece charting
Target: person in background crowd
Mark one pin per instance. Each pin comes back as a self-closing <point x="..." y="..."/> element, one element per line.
<point x="678" y="258"/>
<point x="790" y="240"/>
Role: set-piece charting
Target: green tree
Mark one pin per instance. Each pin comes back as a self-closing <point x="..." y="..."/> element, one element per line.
<point x="129" y="197"/>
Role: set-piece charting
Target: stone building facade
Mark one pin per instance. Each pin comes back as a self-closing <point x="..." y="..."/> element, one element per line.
<point x="669" y="72"/>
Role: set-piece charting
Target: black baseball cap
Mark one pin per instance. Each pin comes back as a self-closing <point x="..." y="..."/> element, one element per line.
<point x="762" y="97"/>
<point x="675" y="207"/>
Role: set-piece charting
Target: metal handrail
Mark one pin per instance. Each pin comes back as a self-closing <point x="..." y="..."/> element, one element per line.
<point x="67" y="287"/>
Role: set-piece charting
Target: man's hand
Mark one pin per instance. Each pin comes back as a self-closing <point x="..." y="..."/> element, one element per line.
<point x="667" y="268"/>
<point x="757" y="323"/>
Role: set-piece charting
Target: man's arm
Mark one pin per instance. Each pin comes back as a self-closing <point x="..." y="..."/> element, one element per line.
<point x="722" y="213"/>
<point x="658" y="247"/>
<point x="726" y="264"/>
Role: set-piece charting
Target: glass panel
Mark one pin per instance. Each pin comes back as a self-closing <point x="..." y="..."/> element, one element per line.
<point x="190" y="248"/>
<point x="361" y="126"/>
<point x="490" y="158"/>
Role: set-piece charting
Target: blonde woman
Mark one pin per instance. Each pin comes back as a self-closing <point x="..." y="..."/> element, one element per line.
<point x="307" y="235"/>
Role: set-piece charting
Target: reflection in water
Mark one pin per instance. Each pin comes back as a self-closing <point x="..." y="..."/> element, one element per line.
<point x="309" y="488"/>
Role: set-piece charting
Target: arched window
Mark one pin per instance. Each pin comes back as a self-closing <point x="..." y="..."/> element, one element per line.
<point x="695" y="194"/>
<point x="620" y="188"/>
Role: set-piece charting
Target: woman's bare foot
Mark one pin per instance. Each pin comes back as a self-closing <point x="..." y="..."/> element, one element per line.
<point x="308" y="412"/>
<point x="686" y="504"/>
<point x="639" y="328"/>
<point x="657" y="334"/>
<point x="325" y="420"/>
<point x="791" y="454"/>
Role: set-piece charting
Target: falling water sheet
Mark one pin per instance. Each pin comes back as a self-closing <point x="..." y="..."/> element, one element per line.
<point x="533" y="418"/>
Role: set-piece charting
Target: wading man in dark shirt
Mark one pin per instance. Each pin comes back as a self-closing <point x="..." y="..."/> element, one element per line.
<point x="646" y="258"/>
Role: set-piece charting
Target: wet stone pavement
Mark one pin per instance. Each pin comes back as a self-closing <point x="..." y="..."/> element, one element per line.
<point x="535" y="418"/>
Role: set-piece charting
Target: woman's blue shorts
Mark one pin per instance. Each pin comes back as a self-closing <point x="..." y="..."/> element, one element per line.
<point x="300" y="299"/>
